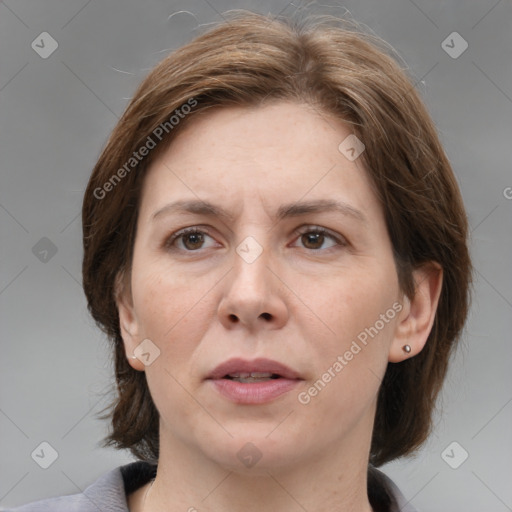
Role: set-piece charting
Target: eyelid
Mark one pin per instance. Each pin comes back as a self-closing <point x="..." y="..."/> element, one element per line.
<point x="306" y="228"/>
<point x="190" y="229"/>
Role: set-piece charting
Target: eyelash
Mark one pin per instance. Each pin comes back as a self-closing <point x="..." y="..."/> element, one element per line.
<point x="340" y="241"/>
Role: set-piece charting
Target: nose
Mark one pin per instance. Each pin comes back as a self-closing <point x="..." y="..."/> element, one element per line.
<point x="253" y="298"/>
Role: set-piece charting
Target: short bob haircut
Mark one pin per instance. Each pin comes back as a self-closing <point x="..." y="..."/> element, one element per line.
<point x="250" y="60"/>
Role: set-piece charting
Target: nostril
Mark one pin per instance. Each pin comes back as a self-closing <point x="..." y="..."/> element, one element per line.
<point x="266" y="316"/>
<point x="233" y="317"/>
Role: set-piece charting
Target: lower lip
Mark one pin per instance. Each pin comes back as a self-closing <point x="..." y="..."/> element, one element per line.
<point x="253" y="392"/>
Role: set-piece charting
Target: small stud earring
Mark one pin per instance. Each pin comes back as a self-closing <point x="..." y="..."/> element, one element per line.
<point x="133" y="357"/>
<point x="407" y="349"/>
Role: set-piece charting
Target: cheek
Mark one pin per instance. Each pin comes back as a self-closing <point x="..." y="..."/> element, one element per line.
<point x="173" y="311"/>
<point x="349" y="364"/>
<point x="355" y="300"/>
<point x="161" y="298"/>
<point x="358" y="310"/>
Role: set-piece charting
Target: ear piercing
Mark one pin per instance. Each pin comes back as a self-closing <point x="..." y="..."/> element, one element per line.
<point x="406" y="349"/>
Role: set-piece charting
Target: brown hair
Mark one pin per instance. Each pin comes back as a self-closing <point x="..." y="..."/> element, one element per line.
<point x="246" y="61"/>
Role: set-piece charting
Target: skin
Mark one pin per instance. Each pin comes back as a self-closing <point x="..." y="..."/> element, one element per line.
<point x="302" y="302"/>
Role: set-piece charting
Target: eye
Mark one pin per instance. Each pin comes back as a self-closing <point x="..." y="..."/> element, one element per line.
<point x="192" y="239"/>
<point x="188" y="239"/>
<point x="314" y="237"/>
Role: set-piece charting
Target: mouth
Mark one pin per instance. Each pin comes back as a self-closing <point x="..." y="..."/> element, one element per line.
<point x="253" y="382"/>
<point x="249" y="377"/>
<point x="257" y="370"/>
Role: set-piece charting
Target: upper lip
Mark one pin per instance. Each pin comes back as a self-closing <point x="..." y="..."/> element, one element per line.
<point x="256" y="365"/>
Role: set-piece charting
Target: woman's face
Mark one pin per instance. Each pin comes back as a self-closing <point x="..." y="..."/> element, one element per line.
<point x="262" y="282"/>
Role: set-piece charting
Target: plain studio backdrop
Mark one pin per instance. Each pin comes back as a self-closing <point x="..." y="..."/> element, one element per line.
<point x="67" y="70"/>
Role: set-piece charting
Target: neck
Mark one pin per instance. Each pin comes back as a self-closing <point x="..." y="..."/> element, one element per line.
<point x="335" y="479"/>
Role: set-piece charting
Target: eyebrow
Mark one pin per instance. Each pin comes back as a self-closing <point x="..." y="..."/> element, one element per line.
<point x="297" y="209"/>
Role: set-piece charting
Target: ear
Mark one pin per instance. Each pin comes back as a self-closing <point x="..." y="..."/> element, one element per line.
<point x="128" y="323"/>
<point x="418" y="313"/>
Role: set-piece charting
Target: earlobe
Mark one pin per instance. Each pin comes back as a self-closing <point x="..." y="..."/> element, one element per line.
<point x="418" y="314"/>
<point x="127" y="322"/>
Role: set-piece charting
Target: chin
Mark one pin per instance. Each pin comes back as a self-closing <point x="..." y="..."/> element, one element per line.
<point x="254" y="453"/>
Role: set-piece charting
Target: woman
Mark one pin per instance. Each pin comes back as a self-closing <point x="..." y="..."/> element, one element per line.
<point x="275" y="243"/>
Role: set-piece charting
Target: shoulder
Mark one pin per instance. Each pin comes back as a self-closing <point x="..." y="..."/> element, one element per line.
<point x="107" y="493"/>
<point x="401" y="503"/>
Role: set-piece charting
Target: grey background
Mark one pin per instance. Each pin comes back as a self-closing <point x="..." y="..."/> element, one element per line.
<point x="55" y="116"/>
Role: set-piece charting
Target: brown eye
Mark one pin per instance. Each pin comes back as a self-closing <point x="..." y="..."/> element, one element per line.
<point x="193" y="241"/>
<point x="187" y="240"/>
<point x="313" y="238"/>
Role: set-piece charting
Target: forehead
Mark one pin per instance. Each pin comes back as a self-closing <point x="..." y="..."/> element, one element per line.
<point x="277" y="153"/>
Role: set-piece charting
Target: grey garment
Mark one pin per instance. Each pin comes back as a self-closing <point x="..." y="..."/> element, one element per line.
<point x="108" y="493"/>
<point x="402" y="504"/>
